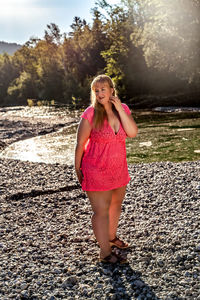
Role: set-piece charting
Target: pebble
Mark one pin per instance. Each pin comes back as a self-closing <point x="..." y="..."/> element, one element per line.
<point x="138" y="283"/>
<point x="198" y="248"/>
<point x="47" y="246"/>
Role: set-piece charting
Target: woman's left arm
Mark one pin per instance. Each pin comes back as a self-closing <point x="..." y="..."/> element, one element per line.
<point x="127" y="121"/>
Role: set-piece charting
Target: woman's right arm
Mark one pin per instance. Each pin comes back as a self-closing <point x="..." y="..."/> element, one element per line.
<point x="83" y="133"/>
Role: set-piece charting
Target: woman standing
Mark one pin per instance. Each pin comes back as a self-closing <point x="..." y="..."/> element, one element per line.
<point x="100" y="162"/>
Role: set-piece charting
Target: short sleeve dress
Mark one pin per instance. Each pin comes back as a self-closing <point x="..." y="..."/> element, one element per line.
<point x="104" y="164"/>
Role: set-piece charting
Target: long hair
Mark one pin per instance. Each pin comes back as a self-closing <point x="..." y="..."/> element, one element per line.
<point x="99" y="110"/>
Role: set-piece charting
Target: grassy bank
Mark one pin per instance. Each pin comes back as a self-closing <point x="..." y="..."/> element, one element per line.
<point x="165" y="137"/>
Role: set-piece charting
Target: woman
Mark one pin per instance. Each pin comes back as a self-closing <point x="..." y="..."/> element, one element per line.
<point x="100" y="162"/>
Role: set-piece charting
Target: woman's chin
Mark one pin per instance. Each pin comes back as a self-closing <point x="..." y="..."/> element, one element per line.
<point x="103" y="101"/>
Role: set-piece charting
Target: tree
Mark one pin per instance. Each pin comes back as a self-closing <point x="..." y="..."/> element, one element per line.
<point x="20" y="88"/>
<point x="8" y="72"/>
<point x="124" y="62"/>
<point x="82" y="56"/>
<point x="25" y="84"/>
<point x="168" y="31"/>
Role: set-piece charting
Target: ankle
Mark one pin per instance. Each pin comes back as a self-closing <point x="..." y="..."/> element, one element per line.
<point x="104" y="254"/>
<point x="112" y="237"/>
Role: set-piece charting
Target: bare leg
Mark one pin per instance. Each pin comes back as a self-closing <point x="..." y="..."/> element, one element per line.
<point x="100" y="202"/>
<point x="115" y="210"/>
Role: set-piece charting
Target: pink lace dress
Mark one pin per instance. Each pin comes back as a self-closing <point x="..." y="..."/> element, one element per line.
<point x="104" y="164"/>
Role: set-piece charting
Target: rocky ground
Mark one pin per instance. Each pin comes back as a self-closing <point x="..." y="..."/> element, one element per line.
<point x="47" y="248"/>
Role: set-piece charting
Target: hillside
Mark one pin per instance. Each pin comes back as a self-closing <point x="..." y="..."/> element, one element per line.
<point x="9" y="48"/>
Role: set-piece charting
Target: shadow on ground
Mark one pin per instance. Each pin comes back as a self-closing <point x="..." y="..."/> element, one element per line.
<point x="126" y="283"/>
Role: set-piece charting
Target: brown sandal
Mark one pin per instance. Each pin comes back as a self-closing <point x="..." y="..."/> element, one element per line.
<point x="117" y="259"/>
<point x="123" y="244"/>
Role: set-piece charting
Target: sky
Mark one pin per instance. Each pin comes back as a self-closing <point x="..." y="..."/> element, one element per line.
<point x="22" y="19"/>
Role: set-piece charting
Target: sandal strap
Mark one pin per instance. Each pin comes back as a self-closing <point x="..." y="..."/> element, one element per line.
<point x="117" y="239"/>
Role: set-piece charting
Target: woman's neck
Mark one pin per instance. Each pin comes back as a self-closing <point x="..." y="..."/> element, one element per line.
<point x="108" y="108"/>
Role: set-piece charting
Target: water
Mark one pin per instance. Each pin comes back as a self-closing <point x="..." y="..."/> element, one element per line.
<point x="44" y="114"/>
<point x="51" y="148"/>
<point x="56" y="147"/>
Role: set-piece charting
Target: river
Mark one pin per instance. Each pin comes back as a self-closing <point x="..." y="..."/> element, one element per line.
<point x="55" y="147"/>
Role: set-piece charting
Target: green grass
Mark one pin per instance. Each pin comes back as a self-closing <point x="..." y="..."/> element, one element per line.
<point x="173" y="137"/>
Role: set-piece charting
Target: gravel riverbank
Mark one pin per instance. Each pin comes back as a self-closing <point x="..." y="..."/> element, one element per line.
<point x="48" y="251"/>
<point x="19" y="123"/>
<point x="47" y="248"/>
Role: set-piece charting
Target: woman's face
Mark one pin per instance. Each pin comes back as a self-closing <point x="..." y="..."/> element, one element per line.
<point x="103" y="92"/>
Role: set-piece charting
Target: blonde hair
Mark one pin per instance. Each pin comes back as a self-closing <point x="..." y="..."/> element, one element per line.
<point x="99" y="110"/>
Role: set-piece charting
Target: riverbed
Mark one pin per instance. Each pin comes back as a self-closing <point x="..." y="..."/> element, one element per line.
<point x="47" y="247"/>
<point x="38" y="134"/>
<point x="48" y="134"/>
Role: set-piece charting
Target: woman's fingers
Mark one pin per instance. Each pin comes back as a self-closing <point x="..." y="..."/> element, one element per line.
<point x="116" y="101"/>
<point x="80" y="178"/>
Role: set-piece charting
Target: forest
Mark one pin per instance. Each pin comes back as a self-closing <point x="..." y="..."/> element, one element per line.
<point x="150" y="48"/>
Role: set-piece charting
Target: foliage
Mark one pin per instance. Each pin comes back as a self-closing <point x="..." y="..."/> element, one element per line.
<point x="147" y="47"/>
<point x="8" y="73"/>
<point x="168" y="31"/>
<point x="20" y="86"/>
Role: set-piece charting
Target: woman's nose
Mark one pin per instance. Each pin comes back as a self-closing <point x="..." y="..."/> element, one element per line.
<point x="101" y="93"/>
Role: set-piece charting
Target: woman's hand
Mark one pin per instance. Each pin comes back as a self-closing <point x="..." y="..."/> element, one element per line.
<point x="117" y="103"/>
<point x="127" y="121"/>
<point x="79" y="175"/>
